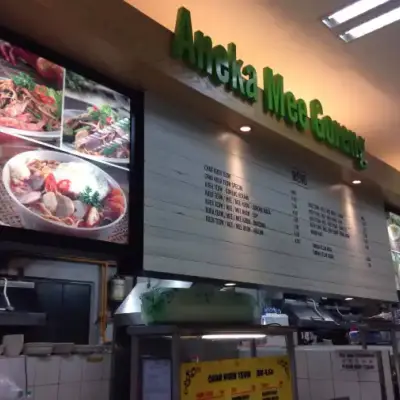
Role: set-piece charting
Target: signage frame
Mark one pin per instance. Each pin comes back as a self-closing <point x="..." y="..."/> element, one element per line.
<point x="23" y="241"/>
<point x="222" y="66"/>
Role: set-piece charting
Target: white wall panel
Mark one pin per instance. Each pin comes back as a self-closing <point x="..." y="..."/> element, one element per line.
<point x="225" y="206"/>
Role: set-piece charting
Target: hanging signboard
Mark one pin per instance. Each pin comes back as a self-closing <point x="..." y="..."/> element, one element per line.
<point x="265" y="378"/>
<point x="231" y="207"/>
<point x="223" y="67"/>
<point x="65" y="144"/>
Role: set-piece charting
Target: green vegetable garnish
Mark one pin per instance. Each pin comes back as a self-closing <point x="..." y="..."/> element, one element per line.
<point x="57" y="96"/>
<point x="124" y="124"/>
<point x="24" y="80"/>
<point x="90" y="199"/>
<point x="96" y="199"/>
<point x="74" y="81"/>
<point x="102" y="114"/>
<point x="110" y="149"/>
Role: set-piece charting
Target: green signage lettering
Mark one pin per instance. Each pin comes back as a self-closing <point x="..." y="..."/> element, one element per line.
<point x="291" y="108"/>
<point x="221" y="66"/>
<point x="273" y="93"/>
<point x="203" y="52"/>
<point x="302" y="122"/>
<point x="251" y="87"/>
<point x="182" y="44"/>
<point x="316" y="125"/>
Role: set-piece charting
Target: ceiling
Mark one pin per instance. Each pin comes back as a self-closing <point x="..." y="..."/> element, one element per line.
<point x="356" y="82"/>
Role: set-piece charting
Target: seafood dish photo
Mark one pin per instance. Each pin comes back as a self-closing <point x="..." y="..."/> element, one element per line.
<point x="43" y="68"/>
<point x="27" y="106"/>
<point x="99" y="132"/>
<point x="58" y="189"/>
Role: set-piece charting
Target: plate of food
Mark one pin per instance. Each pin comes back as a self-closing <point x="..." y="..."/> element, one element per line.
<point x="29" y="109"/>
<point x="58" y="192"/>
<point x="98" y="133"/>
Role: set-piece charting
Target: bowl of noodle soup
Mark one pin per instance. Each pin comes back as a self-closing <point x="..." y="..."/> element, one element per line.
<point x="61" y="193"/>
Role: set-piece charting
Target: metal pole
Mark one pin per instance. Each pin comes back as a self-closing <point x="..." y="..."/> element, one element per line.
<point x="176" y="367"/>
<point x="363" y="338"/>
<point x="292" y="360"/>
<point x="381" y="372"/>
<point x="396" y="360"/>
<point x="253" y="348"/>
<point x="135" y="366"/>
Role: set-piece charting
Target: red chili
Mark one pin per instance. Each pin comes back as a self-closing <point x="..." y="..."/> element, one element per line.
<point x="109" y="120"/>
<point x="47" y="99"/>
<point x="50" y="183"/>
<point x="64" y="185"/>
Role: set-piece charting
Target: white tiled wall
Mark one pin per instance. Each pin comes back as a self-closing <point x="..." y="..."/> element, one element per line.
<point x="320" y="377"/>
<point x="60" y="378"/>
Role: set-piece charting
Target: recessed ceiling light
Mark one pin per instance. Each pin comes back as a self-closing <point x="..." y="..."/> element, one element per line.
<point x="348" y="298"/>
<point x="245" y="128"/>
<point x="352" y="11"/>
<point x="230" y="284"/>
<point x="371" y="25"/>
<point x="356" y="182"/>
<point x="233" y="336"/>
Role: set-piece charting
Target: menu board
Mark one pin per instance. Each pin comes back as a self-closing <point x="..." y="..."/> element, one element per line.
<point x="64" y="149"/>
<point x="357" y="360"/>
<point x="227" y="206"/>
<point x="266" y="378"/>
<point x="393" y="225"/>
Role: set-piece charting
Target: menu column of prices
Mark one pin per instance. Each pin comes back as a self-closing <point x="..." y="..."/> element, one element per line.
<point x="295" y="213"/>
<point x="366" y="241"/>
<point x="218" y="205"/>
<point x="227" y="204"/>
<point x="326" y="221"/>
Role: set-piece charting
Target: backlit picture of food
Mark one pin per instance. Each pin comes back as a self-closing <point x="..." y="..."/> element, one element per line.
<point x="16" y="57"/>
<point x="98" y="131"/>
<point x="64" y="150"/>
<point x="96" y="121"/>
<point x="31" y="94"/>
<point x="61" y="193"/>
<point x="27" y="106"/>
<point x="393" y="224"/>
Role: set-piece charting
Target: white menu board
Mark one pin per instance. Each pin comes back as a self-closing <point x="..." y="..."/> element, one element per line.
<point x="220" y="205"/>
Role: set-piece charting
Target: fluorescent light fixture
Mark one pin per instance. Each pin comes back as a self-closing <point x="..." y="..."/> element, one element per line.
<point x="356" y="182"/>
<point x="245" y="128"/>
<point x="348" y="298"/>
<point x="230" y="284"/>
<point x="352" y="11"/>
<point x="234" y="336"/>
<point x="371" y="25"/>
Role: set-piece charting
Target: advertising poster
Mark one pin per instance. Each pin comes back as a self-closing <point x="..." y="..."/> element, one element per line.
<point x="64" y="150"/>
<point x="266" y="378"/>
<point x="393" y="224"/>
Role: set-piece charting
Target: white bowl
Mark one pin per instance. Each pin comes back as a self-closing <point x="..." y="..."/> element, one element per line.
<point x="31" y="220"/>
<point x="38" y="349"/>
<point x="63" y="348"/>
<point x="87" y="349"/>
<point x="13" y="345"/>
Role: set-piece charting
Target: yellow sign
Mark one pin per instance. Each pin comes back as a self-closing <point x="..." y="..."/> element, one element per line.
<point x="265" y="378"/>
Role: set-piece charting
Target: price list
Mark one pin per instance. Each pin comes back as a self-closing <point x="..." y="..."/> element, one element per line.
<point x="228" y="205"/>
<point x="271" y="394"/>
<point x="320" y="250"/>
<point x="326" y="221"/>
<point x="295" y="213"/>
<point x="366" y="242"/>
